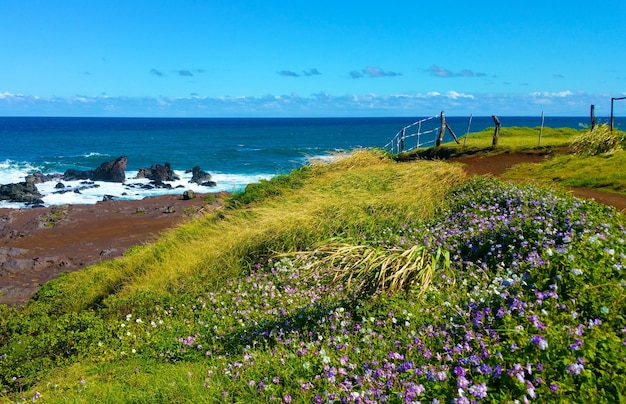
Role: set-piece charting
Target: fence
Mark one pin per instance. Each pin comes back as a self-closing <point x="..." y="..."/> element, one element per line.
<point x="399" y="143"/>
<point x="401" y="140"/>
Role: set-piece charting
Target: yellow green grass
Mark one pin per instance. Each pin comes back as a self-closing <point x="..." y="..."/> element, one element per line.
<point x="596" y="160"/>
<point x="351" y="198"/>
<point x="604" y="173"/>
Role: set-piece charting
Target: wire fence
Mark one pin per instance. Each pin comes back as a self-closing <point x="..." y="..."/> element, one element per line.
<point x="412" y="136"/>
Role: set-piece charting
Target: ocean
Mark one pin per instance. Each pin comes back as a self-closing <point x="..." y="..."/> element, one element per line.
<point x="235" y="151"/>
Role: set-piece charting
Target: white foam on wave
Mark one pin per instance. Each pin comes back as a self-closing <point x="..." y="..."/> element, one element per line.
<point x="91" y="192"/>
<point x="12" y="171"/>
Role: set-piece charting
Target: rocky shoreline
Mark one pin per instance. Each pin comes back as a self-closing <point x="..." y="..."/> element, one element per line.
<point x="109" y="171"/>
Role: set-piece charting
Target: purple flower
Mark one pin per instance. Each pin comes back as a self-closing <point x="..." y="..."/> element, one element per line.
<point x="287" y="398"/>
<point x="534" y="319"/>
<point x="497" y="371"/>
<point x="530" y="389"/>
<point x="406" y="366"/>
<point x="574" y="368"/>
<point x="576" y="345"/>
<point x="554" y="387"/>
<point x="484" y="369"/>
<point x="540" y="342"/>
<point x="462" y="382"/>
<point x="517" y="371"/>
<point x="478" y="390"/>
<point x="395" y="355"/>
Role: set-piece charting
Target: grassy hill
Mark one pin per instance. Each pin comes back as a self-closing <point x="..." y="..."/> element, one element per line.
<point x="366" y="280"/>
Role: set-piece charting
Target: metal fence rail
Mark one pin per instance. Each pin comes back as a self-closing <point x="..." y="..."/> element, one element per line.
<point x="402" y="141"/>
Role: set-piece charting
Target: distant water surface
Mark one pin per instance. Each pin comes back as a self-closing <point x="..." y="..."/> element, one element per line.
<point x="236" y="151"/>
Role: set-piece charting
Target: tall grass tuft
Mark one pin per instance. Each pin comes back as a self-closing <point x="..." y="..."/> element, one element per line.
<point x="599" y="140"/>
<point x="369" y="271"/>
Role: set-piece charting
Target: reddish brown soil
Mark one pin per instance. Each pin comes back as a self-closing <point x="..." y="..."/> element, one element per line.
<point x="38" y="244"/>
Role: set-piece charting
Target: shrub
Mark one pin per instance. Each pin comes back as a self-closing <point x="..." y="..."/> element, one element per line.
<point x="598" y="140"/>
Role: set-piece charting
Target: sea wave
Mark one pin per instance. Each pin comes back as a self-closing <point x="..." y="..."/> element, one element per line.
<point x="15" y="171"/>
<point x="91" y="192"/>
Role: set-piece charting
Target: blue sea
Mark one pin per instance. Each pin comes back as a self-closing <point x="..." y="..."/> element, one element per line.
<point x="236" y="151"/>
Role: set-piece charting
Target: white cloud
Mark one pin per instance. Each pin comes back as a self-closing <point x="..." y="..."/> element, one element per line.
<point x="547" y="94"/>
<point x="454" y="95"/>
<point x="317" y="104"/>
<point x="7" y="96"/>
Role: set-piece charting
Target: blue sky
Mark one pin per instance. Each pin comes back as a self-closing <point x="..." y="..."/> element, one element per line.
<point x="320" y="58"/>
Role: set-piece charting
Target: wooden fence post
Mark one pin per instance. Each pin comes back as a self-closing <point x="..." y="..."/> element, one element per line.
<point x="444" y="126"/>
<point x="452" y="133"/>
<point x="402" y="140"/>
<point x="613" y="116"/>
<point x="496" y="133"/>
<point x="443" y="129"/>
<point x="593" y="116"/>
<point x="541" y="128"/>
<point x="469" y="123"/>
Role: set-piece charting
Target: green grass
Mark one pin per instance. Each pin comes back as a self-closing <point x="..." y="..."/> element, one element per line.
<point x="512" y="139"/>
<point x="596" y="160"/>
<point x="577" y="158"/>
<point x="604" y="172"/>
<point x="308" y="285"/>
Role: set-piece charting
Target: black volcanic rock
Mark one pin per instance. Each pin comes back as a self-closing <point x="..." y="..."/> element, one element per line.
<point x="158" y="173"/>
<point x="110" y="171"/>
<point x="199" y="176"/>
<point x="25" y="192"/>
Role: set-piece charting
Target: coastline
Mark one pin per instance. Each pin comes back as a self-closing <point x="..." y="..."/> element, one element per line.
<point x="37" y="244"/>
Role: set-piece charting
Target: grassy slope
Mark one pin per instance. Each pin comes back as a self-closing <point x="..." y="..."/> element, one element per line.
<point x="353" y="198"/>
<point x="605" y="173"/>
<point x="356" y="199"/>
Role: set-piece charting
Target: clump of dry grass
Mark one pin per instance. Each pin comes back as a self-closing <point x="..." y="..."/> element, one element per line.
<point x="369" y="271"/>
<point x="599" y="140"/>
